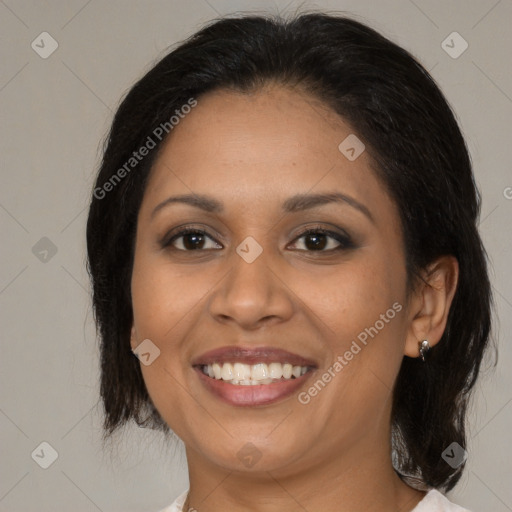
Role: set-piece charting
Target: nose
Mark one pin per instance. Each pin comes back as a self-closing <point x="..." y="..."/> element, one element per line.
<point x="252" y="294"/>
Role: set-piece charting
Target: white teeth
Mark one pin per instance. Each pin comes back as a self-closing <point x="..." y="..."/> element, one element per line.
<point x="216" y="371"/>
<point x="250" y="375"/>
<point x="241" y="371"/>
<point x="259" y="371"/>
<point x="287" y="371"/>
<point x="276" y="370"/>
<point x="227" y="371"/>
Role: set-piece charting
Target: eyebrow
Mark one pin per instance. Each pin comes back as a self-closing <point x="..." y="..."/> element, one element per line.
<point x="296" y="203"/>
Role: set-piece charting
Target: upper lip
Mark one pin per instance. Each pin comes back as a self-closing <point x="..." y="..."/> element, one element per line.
<point x="251" y="355"/>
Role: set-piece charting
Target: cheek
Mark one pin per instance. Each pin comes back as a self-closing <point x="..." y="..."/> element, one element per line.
<point x="361" y="306"/>
<point x="353" y="297"/>
<point x="163" y="295"/>
<point x="164" y="298"/>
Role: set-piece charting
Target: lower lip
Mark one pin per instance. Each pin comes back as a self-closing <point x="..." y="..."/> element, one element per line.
<point x="262" y="394"/>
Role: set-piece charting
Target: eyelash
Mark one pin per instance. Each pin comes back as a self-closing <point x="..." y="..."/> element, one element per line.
<point x="344" y="241"/>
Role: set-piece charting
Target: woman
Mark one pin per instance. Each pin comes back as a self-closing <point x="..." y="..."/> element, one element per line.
<point x="283" y="232"/>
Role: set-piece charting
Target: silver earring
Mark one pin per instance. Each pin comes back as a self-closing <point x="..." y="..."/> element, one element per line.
<point x="424" y="347"/>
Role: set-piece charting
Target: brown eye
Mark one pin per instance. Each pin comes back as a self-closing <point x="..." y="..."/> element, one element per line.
<point x="315" y="240"/>
<point x="193" y="239"/>
<point x="321" y="240"/>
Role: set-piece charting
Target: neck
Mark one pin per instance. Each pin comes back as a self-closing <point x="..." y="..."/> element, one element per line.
<point x="358" y="479"/>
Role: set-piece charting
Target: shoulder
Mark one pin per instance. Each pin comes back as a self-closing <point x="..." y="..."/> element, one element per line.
<point x="177" y="504"/>
<point x="434" y="501"/>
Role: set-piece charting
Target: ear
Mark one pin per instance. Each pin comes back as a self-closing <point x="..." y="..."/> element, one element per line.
<point x="430" y="304"/>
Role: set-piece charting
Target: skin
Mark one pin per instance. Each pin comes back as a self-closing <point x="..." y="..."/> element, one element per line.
<point x="253" y="151"/>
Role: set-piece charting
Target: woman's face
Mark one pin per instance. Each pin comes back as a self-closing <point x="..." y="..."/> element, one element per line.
<point x="255" y="281"/>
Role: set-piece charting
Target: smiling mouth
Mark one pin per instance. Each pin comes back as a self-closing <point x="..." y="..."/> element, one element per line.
<point x="240" y="374"/>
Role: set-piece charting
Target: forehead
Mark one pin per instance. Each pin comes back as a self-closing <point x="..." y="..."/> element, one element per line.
<point x="230" y="125"/>
<point x="261" y="147"/>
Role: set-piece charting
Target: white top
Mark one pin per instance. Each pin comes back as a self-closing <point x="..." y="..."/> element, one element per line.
<point x="433" y="501"/>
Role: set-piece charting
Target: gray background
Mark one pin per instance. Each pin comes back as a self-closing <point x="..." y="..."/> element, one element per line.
<point x="55" y="113"/>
